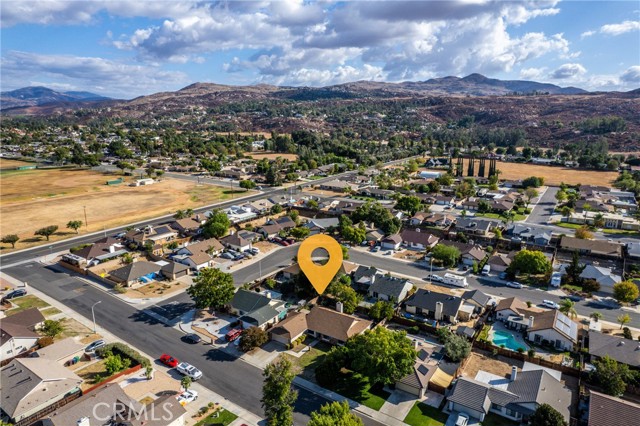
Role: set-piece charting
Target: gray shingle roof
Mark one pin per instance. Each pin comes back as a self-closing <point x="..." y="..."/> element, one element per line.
<point x="603" y="408"/>
<point x="427" y="299"/>
<point x="471" y="394"/>
<point x="135" y="270"/>
<point x="389" y="286"/>
<point x="248" y="301"/>
<point x="620" y="349"/>
<point x="261" y="315"/>
<point x="540" y="387"/>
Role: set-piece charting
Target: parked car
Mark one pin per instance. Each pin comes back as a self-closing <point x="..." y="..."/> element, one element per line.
<point x="514" y="284"/>
<point x="191" y="338"/>
<point x="233" y="334"/>
<point x="486" y="269"/>
<point x="436" y="278"/>
<point x="226" y="256"/>
<point x="572" y="297"/>
<point x="15" y="293"/>
<point x="502" y="275"/>
<point x="94" y="345"/>
<point x="189" y="370"/>
<point x="375" y="249"/>
<point x="550" y="304"/>
<point x="187" y="396"/>
<point x="169" y="361"/>
<point x="254" y="250"/>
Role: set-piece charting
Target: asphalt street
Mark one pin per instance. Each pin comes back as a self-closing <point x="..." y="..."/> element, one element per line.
<point x="543" y="210"/>
<point x="239" y="382"/>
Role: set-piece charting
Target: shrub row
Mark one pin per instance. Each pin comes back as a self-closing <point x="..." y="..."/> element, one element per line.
<point x="124" y="350"/>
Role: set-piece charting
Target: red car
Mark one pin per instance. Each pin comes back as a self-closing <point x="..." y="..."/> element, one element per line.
<point x="233" y="334"/>
<point x="169" y="361"/>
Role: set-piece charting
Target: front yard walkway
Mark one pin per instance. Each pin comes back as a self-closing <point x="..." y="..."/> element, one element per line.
<point x="398" y="404"/>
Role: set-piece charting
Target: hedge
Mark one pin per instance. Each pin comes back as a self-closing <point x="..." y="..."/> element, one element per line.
<point x="124" y="350"/>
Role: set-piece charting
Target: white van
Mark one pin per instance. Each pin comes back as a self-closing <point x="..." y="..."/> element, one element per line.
<point x="486" y="269"/>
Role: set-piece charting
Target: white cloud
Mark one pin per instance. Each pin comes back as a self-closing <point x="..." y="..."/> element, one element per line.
<point x="532" y="73"/>
<point x="587" y="34"/>
<point x="87" y="73"/>
<point x="631" y="75"/>
<point x="567" y="71"/>
<point x="621" y="28"/>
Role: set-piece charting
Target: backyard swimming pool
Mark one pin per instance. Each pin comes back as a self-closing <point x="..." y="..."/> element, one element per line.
<point x="507" y="339"/>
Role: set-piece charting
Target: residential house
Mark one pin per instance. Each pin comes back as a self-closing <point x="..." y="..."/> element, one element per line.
<point x="515" y="398"/>
<point x="374" y="192"/>
<point x="605" y="410"/>
<point x="441" y="220"/>
<point x="30" y="385"/>
<point x="291" y="272"/>
<point x="236" y="242"/>
<point x="102" y="250"/>
<point x="418" y="240"/>
<point x="511" y="307"/>
<point x="474" y="226"/>
<point x="187" y="226"/>
<point x="158" y="236"/>
<point x="444" y="200"/>
<point x="633" y="250"/>
<point x="346" y="206"/>
<point x="17" y="332"/>
<point x="363" y="276"/>
<point x="431" y="304"/>
<point x="603" y="275"/>
<point x="388" y="288"/>
<point x="499" y="262"/>
<point x="521" y="232"/>
<point x="249" y="235"/>
<point x="283" y="200"/>
<point x="551" y="327"/>
<point x="618" y="348"/>
<point x="424" y="370"/>
<point x="338" y="186"/>
<point x="418" y="218"/>
<point x="479" y="300"/>
<point x="174" y="270"/>
<point x="135" y="273"/>
<point x="333" y="326"/>
<point x="469" y="253"/>
<point x="290" y="329"/>
<point x="200" y="254"/>
<point x="61" y="351"/>
<point x="261" y="206"/>
<point x="273" y="227"/>
<point x="437" y="162"/>
<point x="239" y="214"/>
<point x="392" y="242"/>
<point x="318" y="226"/>
<point x="374" y="236"/>
<point x="256" y="309"/>
<point x="592" y="247"/>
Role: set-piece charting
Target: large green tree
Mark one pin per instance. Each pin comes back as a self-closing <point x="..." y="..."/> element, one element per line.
<point x="409" y="204"/>
<point x="278" y="396"/>
<point x="625" y="291"/>
<point x="211" y="288"/>
<point x="47" y="231"/>
<point x="611" y="375"/>
<point x="448" y="255"/>
<point x="216" y="226"/>
<point x="334" y="414"/>
<point x="382" y="355"/>
<point x="10" y="239"/>
<point x="546" y="415"/>
<point x="529" y="262"/>
<point x="75" y="225"/>
<point x="381" y="310"/>
<point x="456" y="348"/>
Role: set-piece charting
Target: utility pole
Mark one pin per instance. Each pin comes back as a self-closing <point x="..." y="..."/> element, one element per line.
<point x="86" y="224"/>
<point x="93" y="314"/>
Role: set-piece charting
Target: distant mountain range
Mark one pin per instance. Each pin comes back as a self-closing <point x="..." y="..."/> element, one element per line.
<point x="38" y="95"/>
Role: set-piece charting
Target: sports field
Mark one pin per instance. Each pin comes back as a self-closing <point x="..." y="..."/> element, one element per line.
<point x="33" y="199"/>
<point x="552" y="175"/>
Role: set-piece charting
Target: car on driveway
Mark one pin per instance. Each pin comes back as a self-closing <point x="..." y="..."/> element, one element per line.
<point x="187" y="396"/>
<point x="513" y="284"/>
<point x="189" y="370"/>
<point x="550" y="304"/>
<point x="191" y="338"/>
<point x="14" y="294"/>
<point x="91" y="347"/>
<point x="233" y="334"/>
<point x="502" y="275"/>
<point x="169" y="361"/>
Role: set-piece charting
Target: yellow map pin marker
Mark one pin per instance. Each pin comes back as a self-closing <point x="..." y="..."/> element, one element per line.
<point x="320" y="275"/>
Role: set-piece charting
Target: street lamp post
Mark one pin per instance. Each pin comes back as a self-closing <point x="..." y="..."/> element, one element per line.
<point x="93" y="314"/>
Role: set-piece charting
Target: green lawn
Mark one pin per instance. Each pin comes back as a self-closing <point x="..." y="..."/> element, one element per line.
<point x="425" y="415"/>
<point x="26" y="302"/>
<point x="621" y="231"/>
<point x="224" y="418"/>
<point x="49" y="312"/>
<point x="516" y="217"/>
<point x="572" y="287"/>
<point x="493" y="419"/>
<point x="568" y="225"/>
<point x="356" y="387"/>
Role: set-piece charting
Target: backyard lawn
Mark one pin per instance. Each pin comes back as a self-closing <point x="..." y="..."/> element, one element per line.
<point x="424" y="415"/>
<point x="221" y="417"/>
<point x="492" y="419"/>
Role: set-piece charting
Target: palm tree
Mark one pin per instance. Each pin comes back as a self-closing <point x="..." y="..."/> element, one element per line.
<point x="566" y="211"/>
<point x="567" y="307"/>
<point x="598" y="220"/>
<point x="596" y="316"/>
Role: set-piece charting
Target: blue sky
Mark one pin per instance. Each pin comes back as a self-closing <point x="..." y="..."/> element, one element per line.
<point x="124" y="49"/>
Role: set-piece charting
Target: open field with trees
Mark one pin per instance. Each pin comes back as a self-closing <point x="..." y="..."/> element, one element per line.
<point x="552" y="175"/>
<point x="33" y="199"/>
<point x="259" y="155"/>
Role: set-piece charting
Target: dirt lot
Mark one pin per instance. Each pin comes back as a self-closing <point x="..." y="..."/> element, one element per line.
<point x="499" y="366"/>
<point x="35" y="198"/>
<point x="551" y="175"/>
<point x="5" y="162"/>
<point x="259" y="155"/>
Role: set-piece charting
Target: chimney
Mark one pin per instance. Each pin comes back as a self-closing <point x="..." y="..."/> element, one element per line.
<point x="531" y="321"/>
<point x="83" y="421"/>
<point x="339" y="307"/>
<point x="438" y="313"/>
<point x="514" y="373"/>
<point x="112" y="249"/>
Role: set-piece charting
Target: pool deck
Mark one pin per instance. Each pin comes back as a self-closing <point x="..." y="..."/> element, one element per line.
<point x="498" y="326"/>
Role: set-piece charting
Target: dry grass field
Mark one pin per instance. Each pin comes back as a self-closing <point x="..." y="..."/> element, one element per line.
<point x="551" y="175"/>
<point x="270" y="155"/>
<point x="33" y="199"/>
<point x="7" y="162"/>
